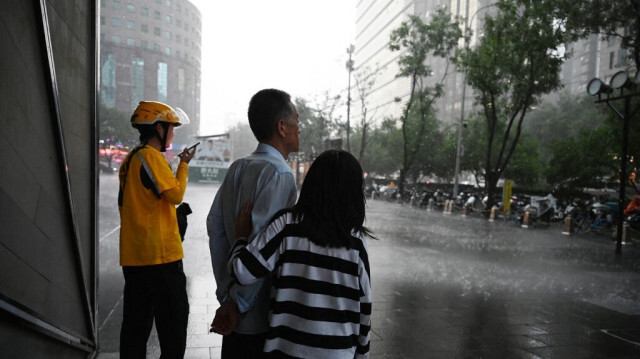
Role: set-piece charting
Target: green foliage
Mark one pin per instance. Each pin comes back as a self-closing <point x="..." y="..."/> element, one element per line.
<point x="515" y="64"/>
<point x="526" y="166"/>
<point x="115" y="127"/>
<point x="316" y="126"/>
<point x="568" y="117"/>
<point x="416" y="41"/>
<point x="618" y="19"/>
<point x="474" y="145"/>
<point x="383" y="149"/>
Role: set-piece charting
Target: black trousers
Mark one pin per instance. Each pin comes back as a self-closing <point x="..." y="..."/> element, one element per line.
<point x="154" y="292"/>
<point x="245" y="346"/>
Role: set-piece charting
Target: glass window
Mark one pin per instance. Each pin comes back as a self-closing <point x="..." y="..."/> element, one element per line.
<point x="162" y="81"/>
<point x="622" y="57"/>
<point x="611" y="57"/>
<point x="131" y="25"/>
<point x="131" y="8"/>
<point x="137" y="81"/>
<point x="108" y="80"/>
<point x="156" y="47"/>
<point x="131" y="42"/>
<point x="115" y="39"/>
<point x="144" y="11"/>
<point x="116" y="4"/>
<point x="167" y="34"/>
<point x="169" y="3"/>
<point x="156" y="31"/>
<point x="168" y="19"/>
<point x="178" y="23"/>
<point x="102" y="20"/>
<point x="180" y="80"/>
<point x="144" y="28"/>
<point x="178" y="38"/>
<point x="167" y="51"/>
<point x="144" y="44"/>
<point x="116" y="21"/>
<point x="157" y="15"/>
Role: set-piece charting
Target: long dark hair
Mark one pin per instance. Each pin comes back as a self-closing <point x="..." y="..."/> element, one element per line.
<point x="332" y="202"/>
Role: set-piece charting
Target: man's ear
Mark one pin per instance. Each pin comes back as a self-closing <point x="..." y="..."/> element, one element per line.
<point x="282" y="131"/>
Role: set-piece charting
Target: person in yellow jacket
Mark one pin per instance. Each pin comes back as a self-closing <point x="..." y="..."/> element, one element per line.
<point x="150" y="243"/>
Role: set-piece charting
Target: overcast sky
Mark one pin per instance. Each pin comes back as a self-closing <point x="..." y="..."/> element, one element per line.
<point x="299" y="46"/>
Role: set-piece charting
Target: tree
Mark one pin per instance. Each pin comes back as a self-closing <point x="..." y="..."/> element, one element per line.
<point x="365" y="79"/>
<point x="473" y="144"/>
<point x="243" y="142"/>
<point x="568" y="117"/>
<point x="416" y="41"/>
<point x="611" y="19"/>
<point x="382" y="154"/>
<point x="516" y="62"/>
<point x="115" y="128"/>
<point x="314" y="128"/>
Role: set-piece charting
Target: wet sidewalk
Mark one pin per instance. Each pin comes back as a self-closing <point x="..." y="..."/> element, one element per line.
<point x="444" y="286"/>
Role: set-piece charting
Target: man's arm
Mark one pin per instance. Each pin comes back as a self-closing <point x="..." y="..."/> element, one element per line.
<point x="218" y="247"/>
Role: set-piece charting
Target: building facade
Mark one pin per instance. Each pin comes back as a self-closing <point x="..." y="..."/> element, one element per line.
<point x="376" y="19"/>
<point x="151" y="50"/>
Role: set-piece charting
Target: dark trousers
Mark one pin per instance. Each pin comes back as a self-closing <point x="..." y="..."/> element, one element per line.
<point x="245" y="346"/>
<point x="154" y="292"/>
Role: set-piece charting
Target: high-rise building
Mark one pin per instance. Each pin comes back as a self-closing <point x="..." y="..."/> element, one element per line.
<point x="375" y="20"/>
<point x="150" y="50"/>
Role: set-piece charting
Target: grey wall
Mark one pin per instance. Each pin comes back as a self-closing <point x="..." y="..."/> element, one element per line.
<point x="48" y="178"/>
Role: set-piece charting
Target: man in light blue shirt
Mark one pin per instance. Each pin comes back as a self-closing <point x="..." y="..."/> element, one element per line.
<point x="265" y="180"/>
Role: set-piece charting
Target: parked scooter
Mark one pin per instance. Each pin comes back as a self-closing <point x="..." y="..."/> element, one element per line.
<point x="544" y="208"/>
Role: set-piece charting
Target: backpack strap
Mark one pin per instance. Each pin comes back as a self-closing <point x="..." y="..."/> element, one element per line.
<point x="126" y="171"/>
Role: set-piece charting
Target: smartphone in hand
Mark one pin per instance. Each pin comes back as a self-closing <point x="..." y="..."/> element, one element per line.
<point x="191" y="150"/>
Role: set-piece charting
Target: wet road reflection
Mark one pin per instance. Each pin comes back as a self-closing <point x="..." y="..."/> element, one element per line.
<point x="444" y="286"/>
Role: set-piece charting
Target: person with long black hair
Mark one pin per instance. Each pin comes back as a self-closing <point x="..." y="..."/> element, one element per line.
<point x="316" y="252"/>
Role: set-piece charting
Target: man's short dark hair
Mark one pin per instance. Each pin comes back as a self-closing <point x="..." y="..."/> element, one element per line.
<point x="266" y="108"/>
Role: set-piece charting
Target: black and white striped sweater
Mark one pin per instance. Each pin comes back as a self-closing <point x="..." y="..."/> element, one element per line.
<point x="321" y="296"/>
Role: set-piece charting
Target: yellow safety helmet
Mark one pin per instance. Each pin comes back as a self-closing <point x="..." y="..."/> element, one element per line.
<point x="150" y="112"/>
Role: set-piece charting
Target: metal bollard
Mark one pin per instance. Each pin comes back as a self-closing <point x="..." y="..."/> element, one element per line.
<point x="526" y="220"/>
<point x="465" y="210"/>
<point x="447" y="207"/>
<point x="568" y="226"/>
<point x="625" y="233"/>
<point x="492" y="214"/>
<point x="430" y="205"/>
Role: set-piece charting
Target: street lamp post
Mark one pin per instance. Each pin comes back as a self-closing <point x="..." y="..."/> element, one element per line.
<point x="467" y="34"/>
<point x="619" y="84"/>
<point x="349" y="69"/>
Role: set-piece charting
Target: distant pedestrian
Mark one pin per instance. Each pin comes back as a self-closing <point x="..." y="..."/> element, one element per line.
<point x="316" y="252"/>
<point x="150" y="243"/>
